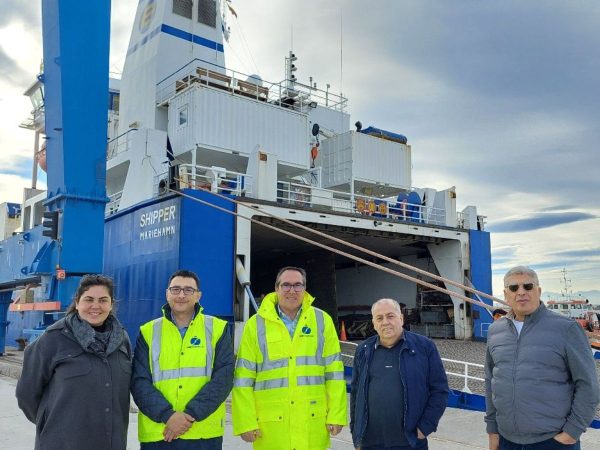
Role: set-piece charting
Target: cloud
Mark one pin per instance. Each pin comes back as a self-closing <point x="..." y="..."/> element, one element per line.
<point x="19" y="11"/>
<point x="538" y="221"/>
<point x="10" y="70"/>
<point x="499" y="99"/>
<point x="19" y="166"/>
<point x="583" y="253"/>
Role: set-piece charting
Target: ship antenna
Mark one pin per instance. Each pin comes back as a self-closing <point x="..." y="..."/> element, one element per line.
<point x="341" y="69"/>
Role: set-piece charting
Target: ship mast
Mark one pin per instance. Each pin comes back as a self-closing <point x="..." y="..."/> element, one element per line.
<point x="566" y="292"/>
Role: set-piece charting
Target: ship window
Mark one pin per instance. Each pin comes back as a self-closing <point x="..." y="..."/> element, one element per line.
<point x="37" y="98"/>
<point x="207" y="12"/>
<point x="183" y="8"/>
<point x="183" y="115"/>
<point x="113" y="101"/>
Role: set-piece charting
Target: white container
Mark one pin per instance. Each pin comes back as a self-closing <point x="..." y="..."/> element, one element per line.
<point x="359" y="158"/>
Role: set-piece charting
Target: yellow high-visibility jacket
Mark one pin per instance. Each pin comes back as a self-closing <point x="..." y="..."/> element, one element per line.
<point x="180" y="367"/>
<point x="289" y="388"/>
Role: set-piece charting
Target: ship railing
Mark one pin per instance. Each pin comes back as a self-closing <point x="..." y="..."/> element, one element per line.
<point x="467" y="369"/>
<point x="119" y="144"/>
<point x="113" y="203"/>
<point x="307" y="196"/>
<point x="215" y="179"/>
<point x="469" y="375"/>
<point x="286" y="94"/>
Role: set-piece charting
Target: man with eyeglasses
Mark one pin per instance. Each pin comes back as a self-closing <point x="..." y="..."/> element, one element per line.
<point x="182" y="372"/>
<point x="289" y="390"/>
<point x="540" y="376"/>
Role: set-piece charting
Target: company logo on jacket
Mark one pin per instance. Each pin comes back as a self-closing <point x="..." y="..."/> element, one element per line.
<point x="195" y="341"/>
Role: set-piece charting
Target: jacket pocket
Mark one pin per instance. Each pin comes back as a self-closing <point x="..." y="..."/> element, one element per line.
<point x="270" y="412"/>
<point x="275" y="346"/>
<point x="317" y="407"/>
<point x="318" y="436"/>
<point x="72" y="366"/>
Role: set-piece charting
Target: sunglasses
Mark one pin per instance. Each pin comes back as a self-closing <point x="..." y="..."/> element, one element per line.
<point x="515" y="287"/>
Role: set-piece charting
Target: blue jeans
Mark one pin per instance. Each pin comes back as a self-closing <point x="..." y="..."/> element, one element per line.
<point x="549" y="444"/>
<point x="421" y="445"/>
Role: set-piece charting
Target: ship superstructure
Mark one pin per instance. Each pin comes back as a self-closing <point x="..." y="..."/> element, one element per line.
<point x="180" y="121"/>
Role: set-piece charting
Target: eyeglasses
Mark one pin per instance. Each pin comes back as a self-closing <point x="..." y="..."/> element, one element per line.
<point x="176" y="290"/>
<point x="286" y="287"/>
<point x="515" y="287"/>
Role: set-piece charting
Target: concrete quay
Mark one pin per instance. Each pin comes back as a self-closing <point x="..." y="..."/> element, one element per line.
<point x="458" y="429"/>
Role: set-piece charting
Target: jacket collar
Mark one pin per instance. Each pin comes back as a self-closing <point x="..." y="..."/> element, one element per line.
<point x="166" y="309"/>
<point x="373" y="342"/>
<point x="268" y="308"/>
<point x="400" y="341"/>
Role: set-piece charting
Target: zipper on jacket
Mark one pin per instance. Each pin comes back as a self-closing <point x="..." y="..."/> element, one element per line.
<point x="402" y="350"/>
<point x="514" y="368"/>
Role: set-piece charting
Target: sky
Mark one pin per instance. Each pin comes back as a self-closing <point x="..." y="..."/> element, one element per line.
<point x="499" y="99"/>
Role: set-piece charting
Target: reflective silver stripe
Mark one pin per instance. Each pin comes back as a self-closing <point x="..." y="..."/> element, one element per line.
<point x="333" y="358"/>
<point x="262" y="336"/>
<point x="243" y="382"/>
<point x="246" y="364"/>
<point x="271" y="384"/>
<point x="307" y="361"/>
<point x="334" y="376"/>
<point x="156" y="335"/>
<point x="173" y="374"/>
<point x="320" y="335"/>
<point x="208" y="337"/>
<point x="310" y="380"/>
<point x="268" y="363"/>
<point x="275" y="364"/>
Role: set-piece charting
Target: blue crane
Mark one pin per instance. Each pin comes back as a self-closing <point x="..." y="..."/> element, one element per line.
<point x="76" y="38"/>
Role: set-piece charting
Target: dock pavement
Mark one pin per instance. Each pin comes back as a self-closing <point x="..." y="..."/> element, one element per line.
<point x="458" y="429"/>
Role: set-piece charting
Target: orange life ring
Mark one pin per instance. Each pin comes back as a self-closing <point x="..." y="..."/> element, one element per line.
<point x="372" y="206"/>
<point x="361" y="205"/>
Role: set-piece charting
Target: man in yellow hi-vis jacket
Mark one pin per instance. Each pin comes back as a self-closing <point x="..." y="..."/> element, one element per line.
<point x="182" y="373"/>
<point x="289" y="390"/>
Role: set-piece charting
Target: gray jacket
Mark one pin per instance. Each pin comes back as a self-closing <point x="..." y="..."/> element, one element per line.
<point x="541" y="382"/>
<point x="77" y="399"/>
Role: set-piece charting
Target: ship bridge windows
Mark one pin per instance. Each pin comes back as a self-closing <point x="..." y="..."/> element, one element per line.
<point x="183" y="8"/>
<point x="207" y="12"/>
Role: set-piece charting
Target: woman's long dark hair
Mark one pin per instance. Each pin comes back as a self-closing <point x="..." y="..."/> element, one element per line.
<point x="87" y="282"/>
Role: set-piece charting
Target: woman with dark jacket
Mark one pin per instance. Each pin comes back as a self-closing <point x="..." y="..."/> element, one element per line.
<point x="75" y="380"/>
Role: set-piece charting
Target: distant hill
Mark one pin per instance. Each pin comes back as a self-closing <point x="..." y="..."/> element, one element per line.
<point x="593" y="296"/>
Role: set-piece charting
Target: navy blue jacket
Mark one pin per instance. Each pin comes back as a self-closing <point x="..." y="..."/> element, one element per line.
<point x="153" y="404"/>
<point x="425" y="387"/>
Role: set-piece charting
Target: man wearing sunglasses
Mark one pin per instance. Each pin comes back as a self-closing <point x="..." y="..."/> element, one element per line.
<point x="540" y="376"/>
<point x="289" y="390"/>
<point x="182" y="372"/>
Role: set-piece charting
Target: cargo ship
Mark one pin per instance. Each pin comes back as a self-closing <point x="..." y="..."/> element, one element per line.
<point x="207" y="168"/>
